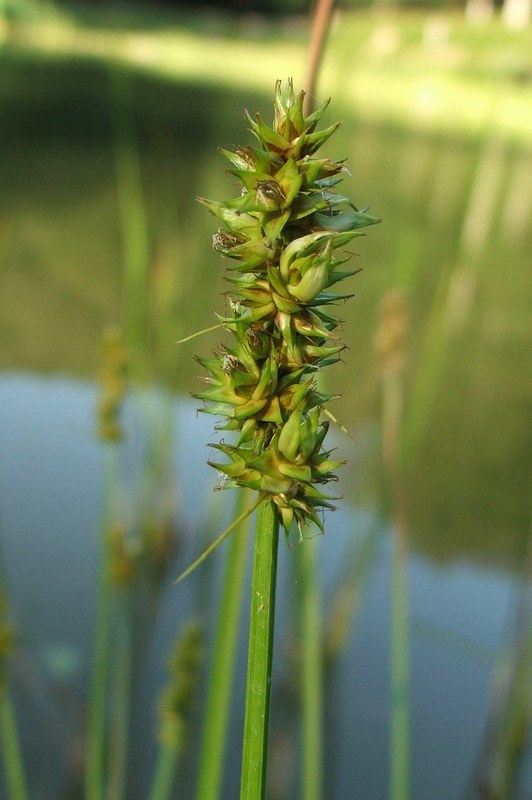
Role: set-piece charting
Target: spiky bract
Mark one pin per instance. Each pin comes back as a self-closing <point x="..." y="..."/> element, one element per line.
<point x="285" y="234"/>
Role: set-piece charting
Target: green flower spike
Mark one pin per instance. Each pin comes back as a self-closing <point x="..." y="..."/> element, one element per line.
<point x="285" y="234"/>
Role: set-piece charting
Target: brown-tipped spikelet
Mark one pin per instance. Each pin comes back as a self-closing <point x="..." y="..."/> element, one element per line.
<point x="285" y="235"/>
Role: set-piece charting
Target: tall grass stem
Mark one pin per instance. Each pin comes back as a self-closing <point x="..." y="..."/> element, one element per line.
<point x="261" y="629"/>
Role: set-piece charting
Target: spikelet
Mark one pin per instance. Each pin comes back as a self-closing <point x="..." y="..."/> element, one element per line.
<point x="285" y="235"/>
<point x="179" y="695"/>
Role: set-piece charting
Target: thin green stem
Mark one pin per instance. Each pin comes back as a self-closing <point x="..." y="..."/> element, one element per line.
<point x="121" y="702"/>
<point x="165" y="769"/>
<point x="392" y="429"/>
<point x="217" y="542"/>
<point x="311" y="673"/>
<point x="261" y="628"/>
<point x="222" y="669"/>
<point x="95" y="739"/>
<point x="12" y="756"/>
<point x="400" y="734"/>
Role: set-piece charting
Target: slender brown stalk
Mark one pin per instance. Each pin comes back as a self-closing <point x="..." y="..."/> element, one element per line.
<point x="321" y="23"/>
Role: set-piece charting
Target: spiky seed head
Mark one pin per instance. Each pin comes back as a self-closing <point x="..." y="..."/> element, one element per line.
<point x="282" y="234"/>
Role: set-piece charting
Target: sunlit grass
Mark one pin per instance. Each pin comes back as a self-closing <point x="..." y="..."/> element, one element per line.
<point x="435" y="71"/>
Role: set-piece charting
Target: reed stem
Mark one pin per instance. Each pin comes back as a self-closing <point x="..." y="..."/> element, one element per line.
<point x="261" y="628"/>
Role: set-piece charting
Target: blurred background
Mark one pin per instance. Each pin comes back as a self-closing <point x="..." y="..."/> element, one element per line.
<point x="111" y="115"/>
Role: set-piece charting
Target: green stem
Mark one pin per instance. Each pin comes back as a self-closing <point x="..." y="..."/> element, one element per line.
<point x="95" y="740"/>
<point x="222" y="669"/>
<point x="165" y="769"/>
<point x="261" y="627"/>
<point x="311" y="673"/>
<point x="400" y="733"/>
<point x="121" y="697"/>
<point x="13" y="765"/>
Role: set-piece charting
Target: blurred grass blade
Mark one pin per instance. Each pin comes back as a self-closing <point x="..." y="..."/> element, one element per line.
<point x="7" y="230"/>
<point x="509" y="719"/>
<point x="391" y="345"/>
<point x="133" y="220"/>
<point x="311" y="671"/>
<point x="121" y="699"/>
<point x="400" y="679"/>
<point x="12" y="762"/>
<point x="97" y="703"/>
<point x="12" y="757"/>
<point x="224" y="650"/>
<point x="456" y="290"/>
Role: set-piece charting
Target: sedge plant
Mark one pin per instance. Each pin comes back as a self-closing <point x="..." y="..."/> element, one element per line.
<point x="286" y="234"/>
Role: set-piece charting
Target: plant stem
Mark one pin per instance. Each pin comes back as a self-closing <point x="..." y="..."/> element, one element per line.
<point x="95" y="740"/>
<point x="165" y="769"/>
<point x="321" y="23"/>
<point x="13" y="765"/>
<point x="394" y="317"/>
<point x="311" y="673"/>
<point x="121" y="698"/>
<point x="400" y="734"/>
<point x="261" y="627"/>
<point x="224" y="653"/>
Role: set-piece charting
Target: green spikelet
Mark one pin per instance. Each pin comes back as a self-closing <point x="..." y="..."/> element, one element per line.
<point x="285" y="235"/>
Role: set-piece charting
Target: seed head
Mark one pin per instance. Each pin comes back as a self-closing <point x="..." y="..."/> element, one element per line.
<point x="285" y="234"/>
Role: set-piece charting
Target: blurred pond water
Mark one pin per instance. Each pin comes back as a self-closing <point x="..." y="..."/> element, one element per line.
<point x="51" y="478"/>
<point x="456" y="238"/>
